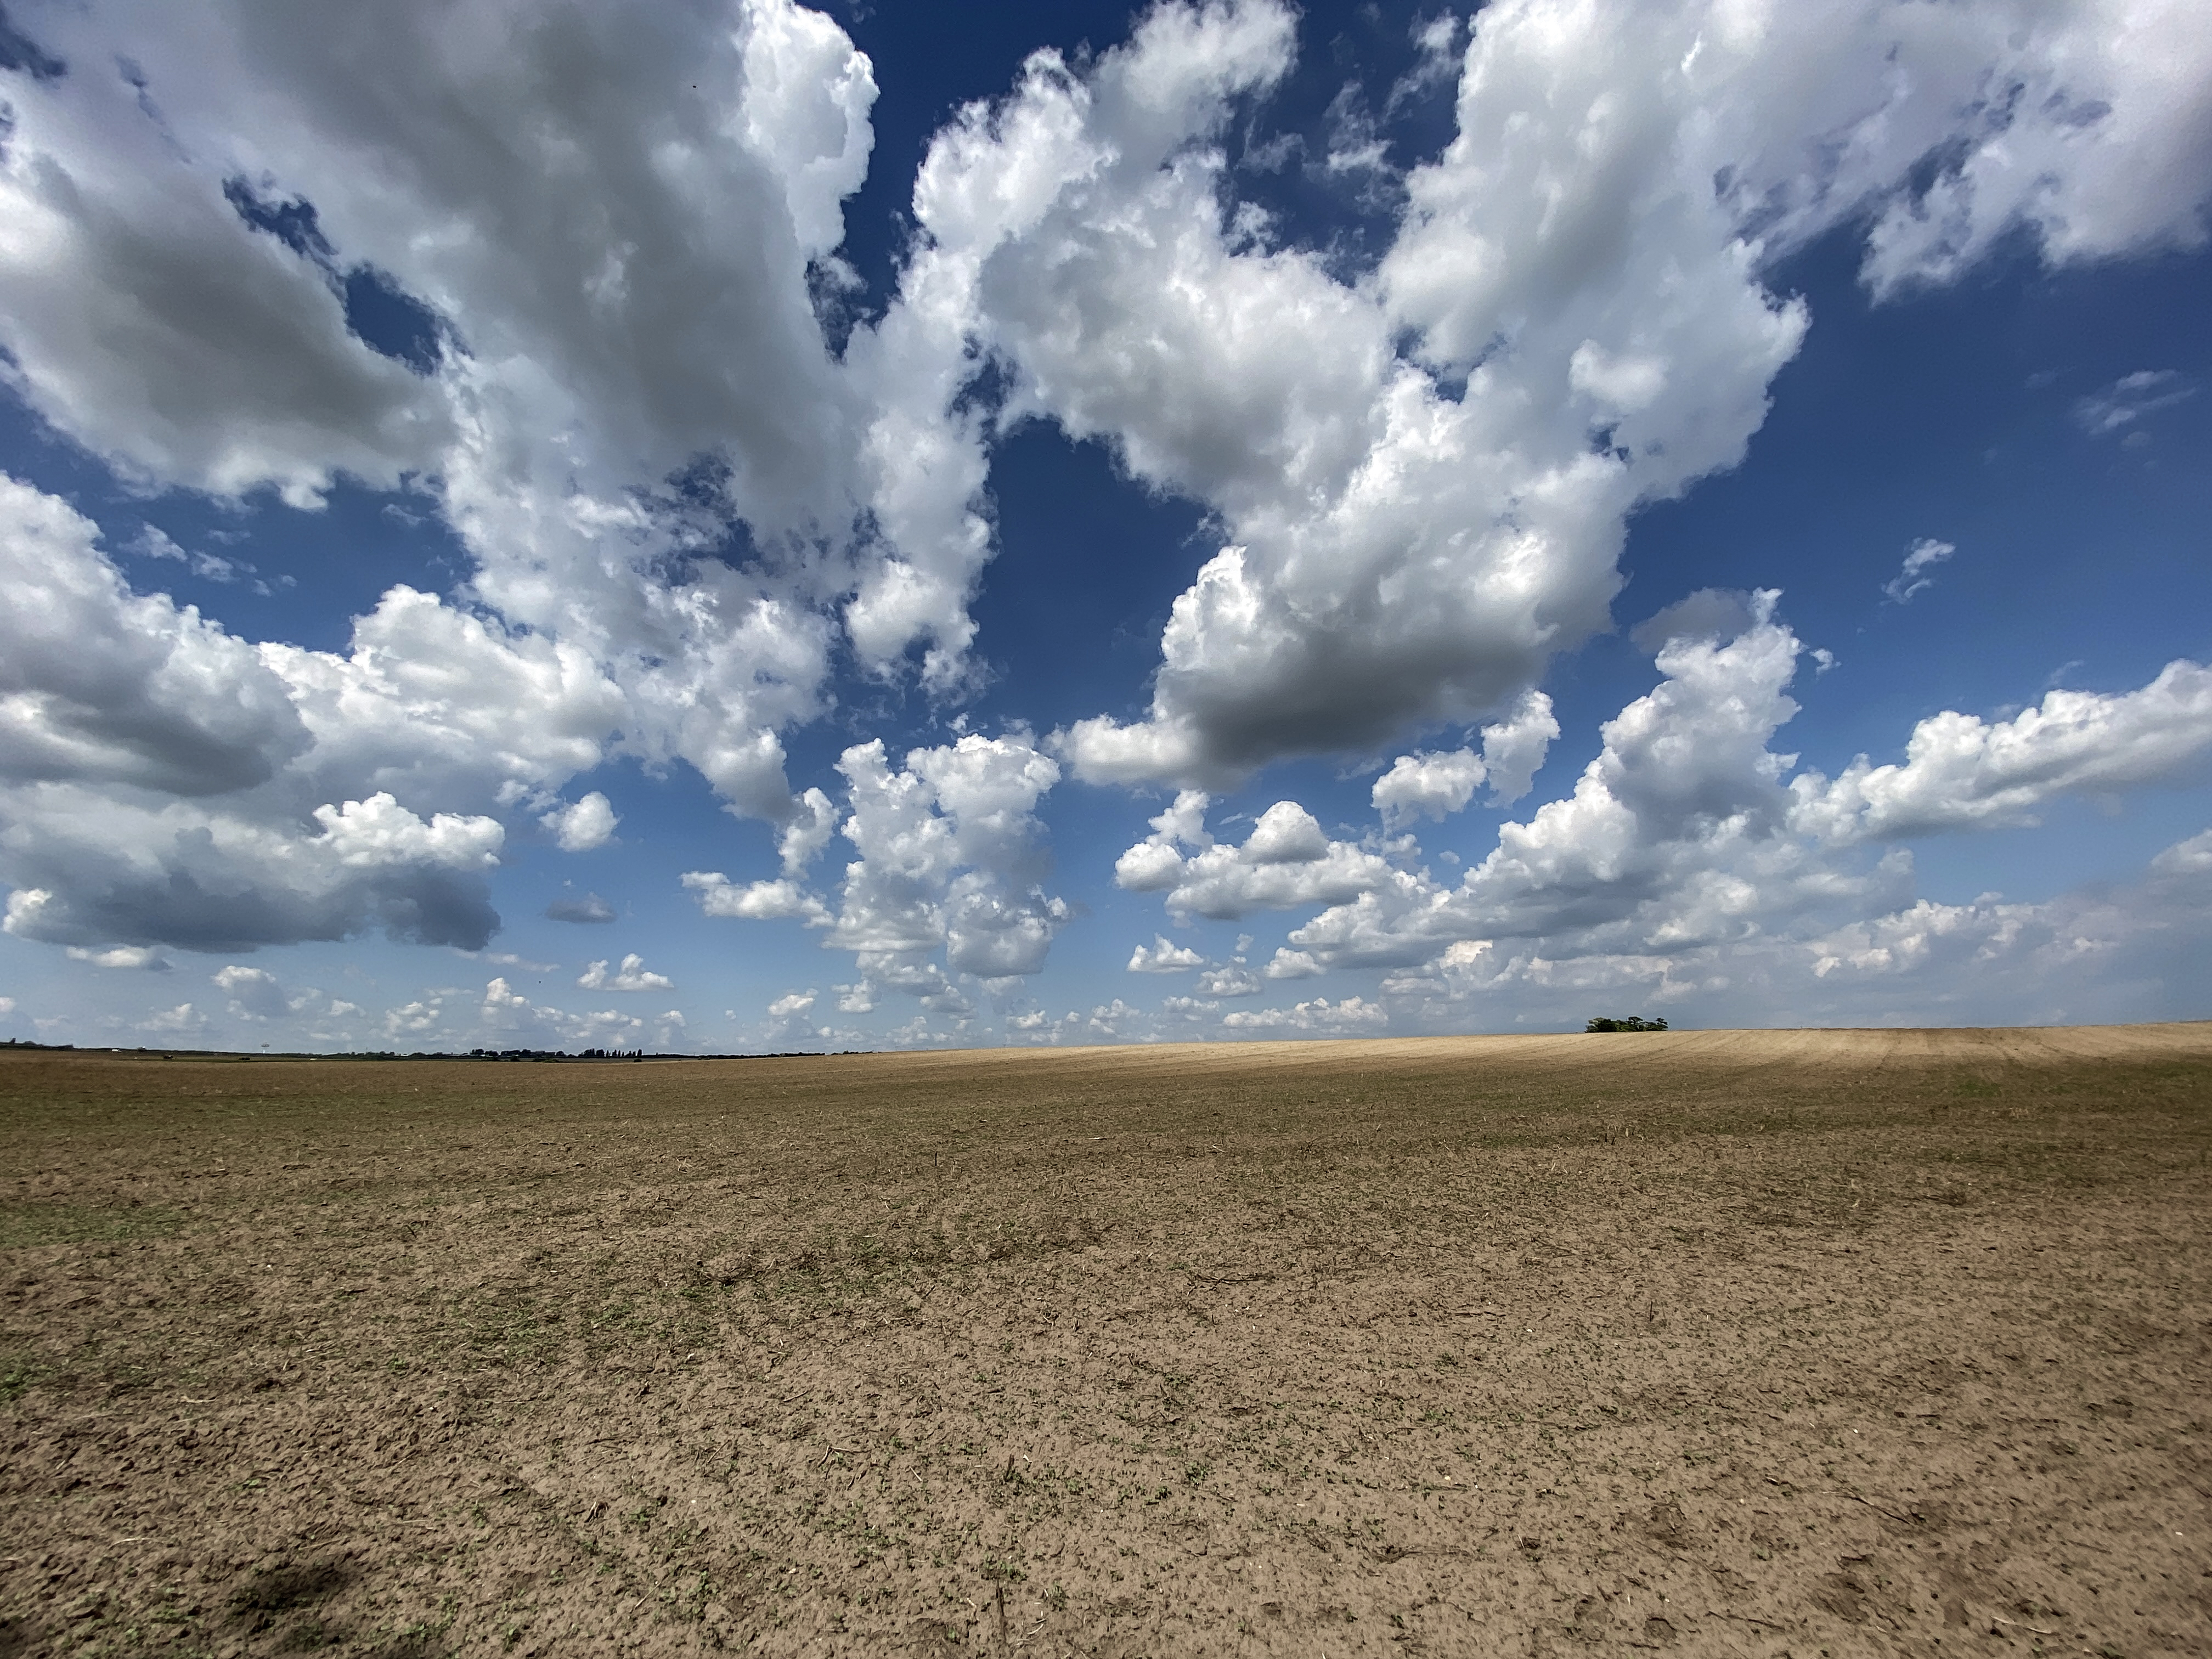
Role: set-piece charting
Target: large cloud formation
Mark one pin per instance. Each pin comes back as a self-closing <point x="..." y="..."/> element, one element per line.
<point x="570" y="276"/>
<point x="1411" y="537"/>
<point x="166" y="783"/>
<point x="1689" y="846"/>
<point x="602" y="226"/>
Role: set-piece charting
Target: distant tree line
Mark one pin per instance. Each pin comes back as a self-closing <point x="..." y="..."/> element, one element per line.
<point x="473" y="1053"/>
<point x="1632" y="1023"/>
<point x="555" y="1054"/>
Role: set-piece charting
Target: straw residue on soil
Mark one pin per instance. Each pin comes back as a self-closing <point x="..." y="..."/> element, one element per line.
<point x="1861" y="1342"/>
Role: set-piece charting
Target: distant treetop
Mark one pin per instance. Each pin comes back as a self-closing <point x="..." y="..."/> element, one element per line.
<point x="1632" y="1023"/>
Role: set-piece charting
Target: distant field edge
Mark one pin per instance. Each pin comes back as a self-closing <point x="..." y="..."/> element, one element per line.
<point x="1851" y="1046"/>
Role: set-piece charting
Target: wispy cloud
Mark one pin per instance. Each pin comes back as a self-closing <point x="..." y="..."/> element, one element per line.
<point x="2130" y="399"/>
<point x="1913" y="578"/>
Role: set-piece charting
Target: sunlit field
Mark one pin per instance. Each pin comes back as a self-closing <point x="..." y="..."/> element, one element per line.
<point x="1849" y="1342"/>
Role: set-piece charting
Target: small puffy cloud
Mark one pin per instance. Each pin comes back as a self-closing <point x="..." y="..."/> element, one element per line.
<point x="589" y="908"/>
<point x="254" y="991"/>
<point x="1153" y="863"/>
<point x="378" y="832"/>
<point x="791" y="1005"/>
<point x="423" y="1015"/>
<point x="1229" y="981"/>
<point x="1285" y="834"/>
<point x="1919" y="558"/>
<point x="1163" y="955"/>
<point x="916" y="1033"/>
<point x="1287" y="861"/>
<point x="1287" y="963"/>
<point x="182" y="1020"/>
<point x="2130" y="399"/>
<point x="510" y="959"/>
<point x="582" y="825"/>
<point x="759" y="901"/>
<point x="2190" y="860"/>
<point x="1113" y="1020"/>
<point x="510" y="1019"/>
<point x="1320" y="1017"/>
<point x="1189" y="1009"/>
<point x="156" y="543"/>
<point x="122" y="956"/>
<point x="1897" y="942"/>
<point x="630" y="976"/>
<point x="1427" y="786"/>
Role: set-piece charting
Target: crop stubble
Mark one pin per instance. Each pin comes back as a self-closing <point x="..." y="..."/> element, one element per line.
<point x="1804" y="1342"/>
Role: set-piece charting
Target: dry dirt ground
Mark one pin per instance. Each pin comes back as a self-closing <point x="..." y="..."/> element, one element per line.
<point x="1760" y="1343"/>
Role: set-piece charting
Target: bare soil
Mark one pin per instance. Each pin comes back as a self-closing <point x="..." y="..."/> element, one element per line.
<point x="1809" y="1343"/>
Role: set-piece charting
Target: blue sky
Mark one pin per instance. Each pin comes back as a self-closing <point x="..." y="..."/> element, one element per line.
<point x="735" y="527"/>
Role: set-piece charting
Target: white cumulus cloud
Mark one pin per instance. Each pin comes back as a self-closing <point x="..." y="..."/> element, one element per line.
<point x="1164" y="956"/>
<point x="1287" y="861"/>
<point x="1693" y="859"/>
<point x="1351" y="1017"/>
<point x="1584" y="269"/>
<point x="632" y="976"/>
<point x="681" y="509"/>
<point x="758" y="901"/>
<point x="1229" y="981"/>
<point x="1961" y="772"/>
<point x="183" y="1020"/>
<point x="950" y="857"/>
<point x="506" y="1018"/>
<point x="1427" y="786"/>
<point x="583" y="825"/>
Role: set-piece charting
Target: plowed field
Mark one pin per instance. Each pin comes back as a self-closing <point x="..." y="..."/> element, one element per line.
<point x="1866" y="1342"/>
